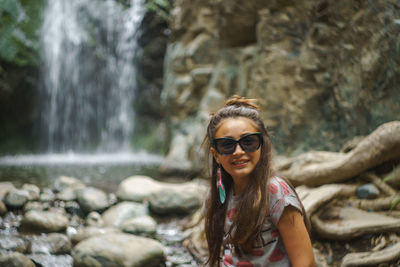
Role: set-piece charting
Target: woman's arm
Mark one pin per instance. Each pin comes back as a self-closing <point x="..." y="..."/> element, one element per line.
<point x="295" y="237"/>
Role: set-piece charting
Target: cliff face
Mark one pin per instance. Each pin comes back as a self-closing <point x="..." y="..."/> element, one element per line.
<point x="324" y="71"/>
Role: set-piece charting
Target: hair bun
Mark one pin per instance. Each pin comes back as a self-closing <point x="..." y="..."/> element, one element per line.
<point x="237" y="100"/>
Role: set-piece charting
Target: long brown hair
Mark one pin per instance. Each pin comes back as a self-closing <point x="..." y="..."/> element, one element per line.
<point x="248" y="219"/>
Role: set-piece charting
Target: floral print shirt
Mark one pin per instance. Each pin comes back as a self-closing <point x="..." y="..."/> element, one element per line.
<point x="268" y="249"/>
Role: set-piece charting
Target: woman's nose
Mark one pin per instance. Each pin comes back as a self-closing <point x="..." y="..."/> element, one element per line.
<point x="238" y="149"/>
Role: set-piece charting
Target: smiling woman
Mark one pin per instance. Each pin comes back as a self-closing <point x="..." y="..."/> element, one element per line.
<point x="262" y="222"/>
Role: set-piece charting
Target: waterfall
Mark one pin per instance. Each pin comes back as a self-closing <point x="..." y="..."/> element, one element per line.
<point x="88" y="75"/>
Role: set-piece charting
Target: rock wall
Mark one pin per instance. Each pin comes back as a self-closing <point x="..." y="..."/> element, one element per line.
<point x="324" y="71"/>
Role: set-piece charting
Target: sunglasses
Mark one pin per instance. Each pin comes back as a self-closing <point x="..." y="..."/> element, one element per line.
<point x="249" y="143"/>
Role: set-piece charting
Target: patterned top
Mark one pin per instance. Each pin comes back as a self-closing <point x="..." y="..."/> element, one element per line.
<point x="268" y="249"/>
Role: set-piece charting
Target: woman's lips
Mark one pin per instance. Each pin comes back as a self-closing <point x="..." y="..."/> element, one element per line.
<point x="240" y="163"/>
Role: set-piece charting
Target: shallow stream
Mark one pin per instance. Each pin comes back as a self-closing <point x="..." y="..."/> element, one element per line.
<point x="101" y="171"/>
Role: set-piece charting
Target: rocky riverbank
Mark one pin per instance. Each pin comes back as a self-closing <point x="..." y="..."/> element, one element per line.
<point x="75" y="224"/>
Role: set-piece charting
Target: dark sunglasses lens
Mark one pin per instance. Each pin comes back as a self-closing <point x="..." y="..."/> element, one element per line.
<point x="225" y="146"/>
<point x="250" y="143"/>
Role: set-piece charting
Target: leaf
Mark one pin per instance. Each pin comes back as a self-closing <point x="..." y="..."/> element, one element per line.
<point x="10" y="7"/>
<point x="395" y="202"/>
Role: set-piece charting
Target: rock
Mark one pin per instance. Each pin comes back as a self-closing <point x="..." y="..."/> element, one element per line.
<point x="117" y="214"/>
<point x="94" y="219"/>
<point x="140" y="225"/>
<point x="16" y="198"/>
<point x="367" y="191"/>
<point x="47" y="195"/>
<point x="3" y="208"/>
<point x="67" y="194"/>
<point x="91" y="231"/>
<point x="35" y="205"/>
<point x="4" y="188"/>
<point x="64" y="182"/>
<point x="33" y="190"/>
<point x="137" y="188"/>
<point x="53" y="243"/>
<point x="45" y="221"/>
<point x="15" y="259"/>
<point x="92" y="199"/>
<point x="178" y="198"/>
<point x="118" y="250"/>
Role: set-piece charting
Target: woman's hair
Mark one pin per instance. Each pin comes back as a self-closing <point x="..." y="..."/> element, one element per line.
<point x="248" y="219"/>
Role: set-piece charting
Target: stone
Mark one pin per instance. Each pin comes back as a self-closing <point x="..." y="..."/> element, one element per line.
<point x="67" y="194"/>
<point x="64" y="182"/>
<point x="33" y="190"/>
<point x="93" y="199"/>
<point x="35" y="205"/>
<point x="4" y="188"/>
<point x="118" y="250"/>
<point x="91" y="231"/>
<point x="140" y="225"/>
<point x="369" y="191"/>
<point x="47" y="195"/>
<point x="137" y="188"/>
<point x="15" y="259"/>
<point x="16" y="198"/>
<point x="45" y="221"/>
<point x="53" y="243"/>
<point x="94" y="219"/>
<point x="178" y="198"/>
<point x="125" y="210"/>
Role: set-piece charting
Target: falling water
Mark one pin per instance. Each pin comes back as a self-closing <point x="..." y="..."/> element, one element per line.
<point x="89" y="74"/>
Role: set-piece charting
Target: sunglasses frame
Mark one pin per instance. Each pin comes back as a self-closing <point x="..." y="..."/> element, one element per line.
<point x="258" y="134"/>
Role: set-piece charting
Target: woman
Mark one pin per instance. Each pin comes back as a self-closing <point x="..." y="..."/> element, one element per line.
<point x="252" y="218"/>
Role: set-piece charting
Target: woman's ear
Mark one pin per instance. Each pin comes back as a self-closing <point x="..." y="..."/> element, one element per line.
<point x="215" y="154"/>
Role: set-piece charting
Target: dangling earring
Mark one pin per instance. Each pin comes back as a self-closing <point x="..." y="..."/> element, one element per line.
<point x="220" y="187"/>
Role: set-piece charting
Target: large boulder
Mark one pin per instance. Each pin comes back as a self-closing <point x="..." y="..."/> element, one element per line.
<point x="44" y="221"/>
<point x="178" y="198"/>
<point x="137" y="188"/>
<point x="118" y="250"/>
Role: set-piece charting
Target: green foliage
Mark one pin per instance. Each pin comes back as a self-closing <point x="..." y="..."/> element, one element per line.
<point x="160" y="7"/>
<point x="395" y="202"/>
<point x="20" y="22"/>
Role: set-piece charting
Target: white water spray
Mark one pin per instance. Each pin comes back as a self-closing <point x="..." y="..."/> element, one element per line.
<point x="89" y="77"/>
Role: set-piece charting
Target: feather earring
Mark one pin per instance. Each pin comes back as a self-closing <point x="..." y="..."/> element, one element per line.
<point x="220" y="187"/>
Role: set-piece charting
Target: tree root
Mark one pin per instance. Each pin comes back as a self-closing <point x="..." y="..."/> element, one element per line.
<point x="341" y="223"/>
<point x="374" y="258"/>
<point x="380" y="146"/>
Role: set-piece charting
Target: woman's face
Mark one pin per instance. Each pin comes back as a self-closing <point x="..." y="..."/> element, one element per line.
<point x="239" y="164"/>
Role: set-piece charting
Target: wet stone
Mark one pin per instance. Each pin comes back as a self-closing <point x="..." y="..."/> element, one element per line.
<point x="368" y="191"/>
<point x="16" y="198"/>
<point x="33" y="190"/>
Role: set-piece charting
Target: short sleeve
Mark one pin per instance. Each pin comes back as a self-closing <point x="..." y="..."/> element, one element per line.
<point x="280" y="195"/>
